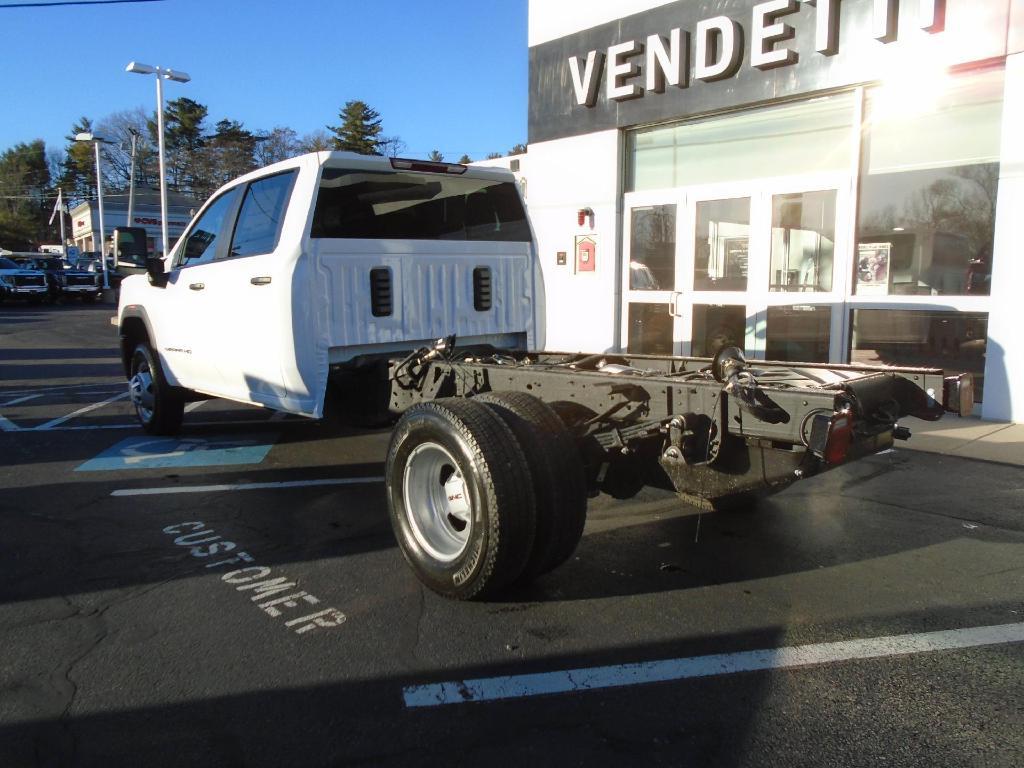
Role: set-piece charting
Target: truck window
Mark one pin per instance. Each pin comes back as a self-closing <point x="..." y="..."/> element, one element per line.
<point x="201" y="245"/>
<point x="385" y="205"/>
<point x="262" y="214"/>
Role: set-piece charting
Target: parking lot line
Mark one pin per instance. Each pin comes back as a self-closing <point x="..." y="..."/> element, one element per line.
<point x="245" y="486"/>
<point x="81" y="412"/>
<point x="24" y="399"/>
<point x="622" y="675"/>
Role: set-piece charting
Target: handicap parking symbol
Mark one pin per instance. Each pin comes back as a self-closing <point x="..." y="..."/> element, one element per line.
<point x="175" y="452"/>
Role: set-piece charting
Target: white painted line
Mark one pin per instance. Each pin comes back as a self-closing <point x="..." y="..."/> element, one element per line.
<point x="57" y="387"/>
<point x="245" y="486"/>
<point x="20" y="400"/>
<point x="193" y="406"/>
<point x="594" y="678"/>
<point x="6" y="425"/>
<point x="81" y="412"/>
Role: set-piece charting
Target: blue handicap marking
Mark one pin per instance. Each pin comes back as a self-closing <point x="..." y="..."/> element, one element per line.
<point x="164" y="452"/>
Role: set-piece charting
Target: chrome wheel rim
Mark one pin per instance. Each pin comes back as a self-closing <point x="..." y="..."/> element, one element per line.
<point x="437" y="503"/>
<point x="140" y="390"/>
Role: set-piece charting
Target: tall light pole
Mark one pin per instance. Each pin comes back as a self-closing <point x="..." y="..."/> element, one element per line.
<point x="131" y="178"/>
<point x="96" y="141"/>
<point x="161" y="73"/>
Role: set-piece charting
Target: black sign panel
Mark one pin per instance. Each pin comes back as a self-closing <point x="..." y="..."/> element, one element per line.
<point x="861" y="28"/>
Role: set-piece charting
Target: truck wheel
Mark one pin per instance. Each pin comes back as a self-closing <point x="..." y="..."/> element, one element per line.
<point x="160" y="410"/>
<point x="459" y="498"/>
<point x="559" y="483"/>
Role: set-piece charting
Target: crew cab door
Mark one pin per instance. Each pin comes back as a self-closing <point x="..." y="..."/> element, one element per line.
<point x="189" y="312"/>
<point x="253" y="285"/>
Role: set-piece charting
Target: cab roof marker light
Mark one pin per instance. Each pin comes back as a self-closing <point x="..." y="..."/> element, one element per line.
<point x="426" y="166"/>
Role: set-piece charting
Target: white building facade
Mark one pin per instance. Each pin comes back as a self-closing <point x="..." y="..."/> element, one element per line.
<point x="85" y="219"/>
<point x="825" y="181"/>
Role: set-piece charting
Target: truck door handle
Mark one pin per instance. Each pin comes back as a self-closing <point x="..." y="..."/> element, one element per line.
<point x="197" y="286"/>
<point x="262" y="280"/>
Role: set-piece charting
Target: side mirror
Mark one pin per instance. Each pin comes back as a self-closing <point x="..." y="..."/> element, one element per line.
<point x="155" y="270"/>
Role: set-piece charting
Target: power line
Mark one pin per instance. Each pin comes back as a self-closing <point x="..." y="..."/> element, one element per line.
<point x="74" y="2"/>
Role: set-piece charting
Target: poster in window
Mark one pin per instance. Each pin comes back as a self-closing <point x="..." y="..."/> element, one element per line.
<point x="873" y="269"/>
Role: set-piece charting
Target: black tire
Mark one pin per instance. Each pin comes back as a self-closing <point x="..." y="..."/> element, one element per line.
<point x="158" y="406"/>
<point x="459" y="498"/>
<point x="559" y="482"/>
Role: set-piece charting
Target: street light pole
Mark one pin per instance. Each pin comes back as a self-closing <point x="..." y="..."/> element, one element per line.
<point x="178" y="77"/>
<point x="131" y="179"/>
<point x="103" y="231"/>
<point x="96" y="141"/>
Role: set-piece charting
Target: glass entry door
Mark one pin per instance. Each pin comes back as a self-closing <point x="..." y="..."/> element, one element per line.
<point x="758" y="266"/>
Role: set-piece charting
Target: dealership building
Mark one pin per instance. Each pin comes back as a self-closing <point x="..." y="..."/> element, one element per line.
<point x="85" y="218"/>
<point x="822" y="181"/>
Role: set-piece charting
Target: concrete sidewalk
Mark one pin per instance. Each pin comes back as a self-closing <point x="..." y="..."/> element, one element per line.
<point x="968" y="437"/>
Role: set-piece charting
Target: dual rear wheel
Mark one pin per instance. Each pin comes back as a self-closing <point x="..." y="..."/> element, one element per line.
<point x="484" y="493"/>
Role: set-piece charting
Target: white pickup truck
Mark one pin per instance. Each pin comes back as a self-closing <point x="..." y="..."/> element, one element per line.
<point x="328" y="278"/>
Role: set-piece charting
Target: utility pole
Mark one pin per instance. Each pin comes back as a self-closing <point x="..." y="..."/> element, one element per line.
<point x="131" y="179"/>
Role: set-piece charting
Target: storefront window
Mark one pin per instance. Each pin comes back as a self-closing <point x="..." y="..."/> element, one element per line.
<point x="652" y="249"/>
<point x="650" y="330"/>
<point x="716" y="326"/>
<point x="928" y="189"/>
<point x="953" y="341"/>
<point x="803" y="241"/>
<point x="798" y="333"/>
<point x="787" y="140"/>
<point x="722" y="245"/>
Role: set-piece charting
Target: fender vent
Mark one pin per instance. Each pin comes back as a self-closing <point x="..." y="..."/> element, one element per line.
<point x="381" y="295"/>
<point x="482" y="289"/>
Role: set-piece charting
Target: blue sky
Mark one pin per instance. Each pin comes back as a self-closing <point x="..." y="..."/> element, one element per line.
<point x="449" y="75"/>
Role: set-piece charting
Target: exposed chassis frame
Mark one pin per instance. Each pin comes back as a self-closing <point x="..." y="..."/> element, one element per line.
<point x="712" y="430"/>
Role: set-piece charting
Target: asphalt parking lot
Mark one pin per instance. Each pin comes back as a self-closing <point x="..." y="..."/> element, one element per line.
<point x="234" y="597"/>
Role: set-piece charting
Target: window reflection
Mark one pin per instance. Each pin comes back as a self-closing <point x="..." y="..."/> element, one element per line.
<point x="652" y="249"/>
<point x="799" y="333"/>
<point x="722" y="245"/>
<point x="803" y="241"/>
<point x="928" y="192"/>
<point x="650" y="330"/>
<point x="715" y="327"/>
<point x="953" y="341"/>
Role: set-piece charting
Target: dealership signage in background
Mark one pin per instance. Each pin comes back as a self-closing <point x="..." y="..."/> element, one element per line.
<point x="690" y="58"/>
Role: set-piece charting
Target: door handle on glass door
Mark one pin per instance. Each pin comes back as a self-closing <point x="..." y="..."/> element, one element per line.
<point x="262" y="280"/>
<point x="673" y="304"/>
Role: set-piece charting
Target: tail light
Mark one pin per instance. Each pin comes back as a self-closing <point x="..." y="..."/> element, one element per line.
<point x="831" y="436"/>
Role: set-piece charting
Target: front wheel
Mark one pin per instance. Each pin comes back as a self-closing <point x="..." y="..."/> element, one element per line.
<point x="460" y="498"/>
<point x="159" y="409"/>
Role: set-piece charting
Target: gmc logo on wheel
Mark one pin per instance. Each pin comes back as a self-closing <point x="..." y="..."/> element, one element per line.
<point x="456" y="497"/>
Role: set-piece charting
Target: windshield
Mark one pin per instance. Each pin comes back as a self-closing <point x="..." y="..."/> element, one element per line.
<point x="412" y="206"/>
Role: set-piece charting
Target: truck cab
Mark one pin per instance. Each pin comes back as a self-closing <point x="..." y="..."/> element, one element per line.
<point x="305" y="270"/>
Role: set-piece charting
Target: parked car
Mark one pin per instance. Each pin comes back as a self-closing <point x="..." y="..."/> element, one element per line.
<point x="19" y="283"/>
<point x="63" y="281"/>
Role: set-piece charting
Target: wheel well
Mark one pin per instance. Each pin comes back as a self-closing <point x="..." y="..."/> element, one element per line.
<point x="133" y="333"/>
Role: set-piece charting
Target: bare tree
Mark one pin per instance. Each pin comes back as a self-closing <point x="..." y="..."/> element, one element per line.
<point x="317" y="141"/>
<point x="117" y="128"/>
<point x="392" y="146"/>
<point x="279" y="144"/>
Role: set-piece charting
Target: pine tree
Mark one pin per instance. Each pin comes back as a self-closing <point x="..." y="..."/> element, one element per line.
<point x="78" y="171"/>
<point x="359" y="131"/>
<point x="25" y="196"/>
<point x="465" y="160"/>
<point x="435" y="156"/>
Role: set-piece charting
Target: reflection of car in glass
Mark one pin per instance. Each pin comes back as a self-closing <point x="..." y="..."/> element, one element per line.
<point x="63" y="281"/>
<point x="641" y="278"/>
<point x="19" y="283"/>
